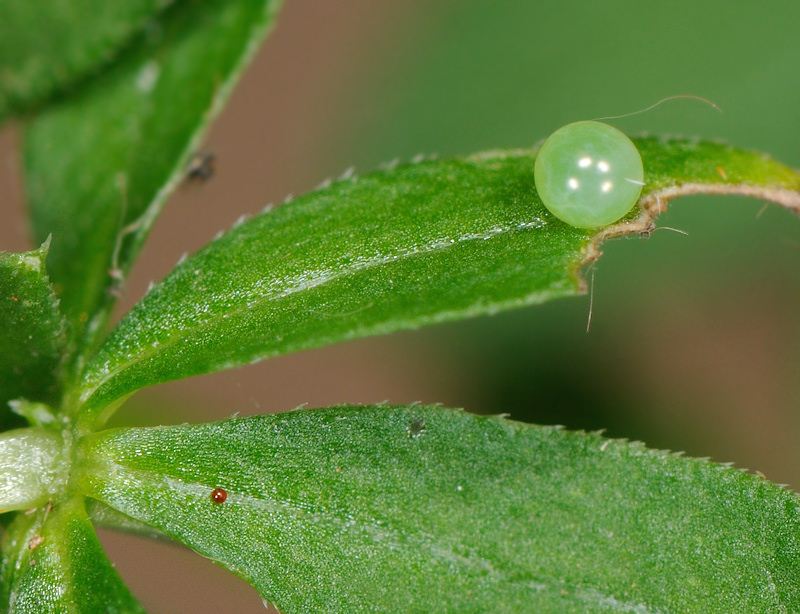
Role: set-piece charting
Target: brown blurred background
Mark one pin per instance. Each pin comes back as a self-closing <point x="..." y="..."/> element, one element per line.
<point x="694" y="340"/>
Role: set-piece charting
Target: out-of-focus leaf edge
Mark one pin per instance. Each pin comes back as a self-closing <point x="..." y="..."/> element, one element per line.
<point x="15" y="105"/>
<point x="134" y="232"/>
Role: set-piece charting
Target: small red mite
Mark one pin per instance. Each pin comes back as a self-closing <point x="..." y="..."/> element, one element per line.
<point x="218" y="495"/>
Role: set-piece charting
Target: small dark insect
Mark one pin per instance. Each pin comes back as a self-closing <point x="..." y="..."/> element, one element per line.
<point x="218" y="495"/>
<point x="201" y="167"/>
<point x="416" y="428"/>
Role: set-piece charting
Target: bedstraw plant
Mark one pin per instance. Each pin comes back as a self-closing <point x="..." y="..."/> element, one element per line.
<point x="346" y="508"/>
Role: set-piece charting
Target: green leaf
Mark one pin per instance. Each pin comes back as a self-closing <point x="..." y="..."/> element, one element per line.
<point x="53" y="563"/>
<point x="32" y="333"/>
<point x="418" y="244"/>
<point x="33" y="465"/>
<point x="100" y="164"/>
<point x="423" y="509"/>
<point x="45" y="46"/>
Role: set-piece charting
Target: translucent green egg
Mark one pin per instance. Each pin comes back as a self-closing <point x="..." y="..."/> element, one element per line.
<point x="588" y="174"/>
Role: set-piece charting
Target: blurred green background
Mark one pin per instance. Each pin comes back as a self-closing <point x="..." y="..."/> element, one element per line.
<point x="695" y="340"/>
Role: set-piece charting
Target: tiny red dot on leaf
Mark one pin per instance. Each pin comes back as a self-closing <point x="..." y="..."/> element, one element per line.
<point x="218" y="495"/>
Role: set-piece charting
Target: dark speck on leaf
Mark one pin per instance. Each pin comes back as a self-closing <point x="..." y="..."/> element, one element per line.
<point x="416" y="428"/>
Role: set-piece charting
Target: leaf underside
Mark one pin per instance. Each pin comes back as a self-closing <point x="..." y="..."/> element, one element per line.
<point x="423" y="509"/>
<point x="422" y="243"/>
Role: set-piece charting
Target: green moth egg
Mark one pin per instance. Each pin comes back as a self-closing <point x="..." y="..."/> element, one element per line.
<point x="588" y="174"/>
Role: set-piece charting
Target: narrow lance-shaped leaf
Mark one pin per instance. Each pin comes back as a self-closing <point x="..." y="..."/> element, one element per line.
<point x="100" y="164"/>
<point x="45" y="45"/>
<point x="53" y="563"/>
<point x="32" y="332"/>
<point x="396" y="249"/>
<point x="423" y="509"/>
